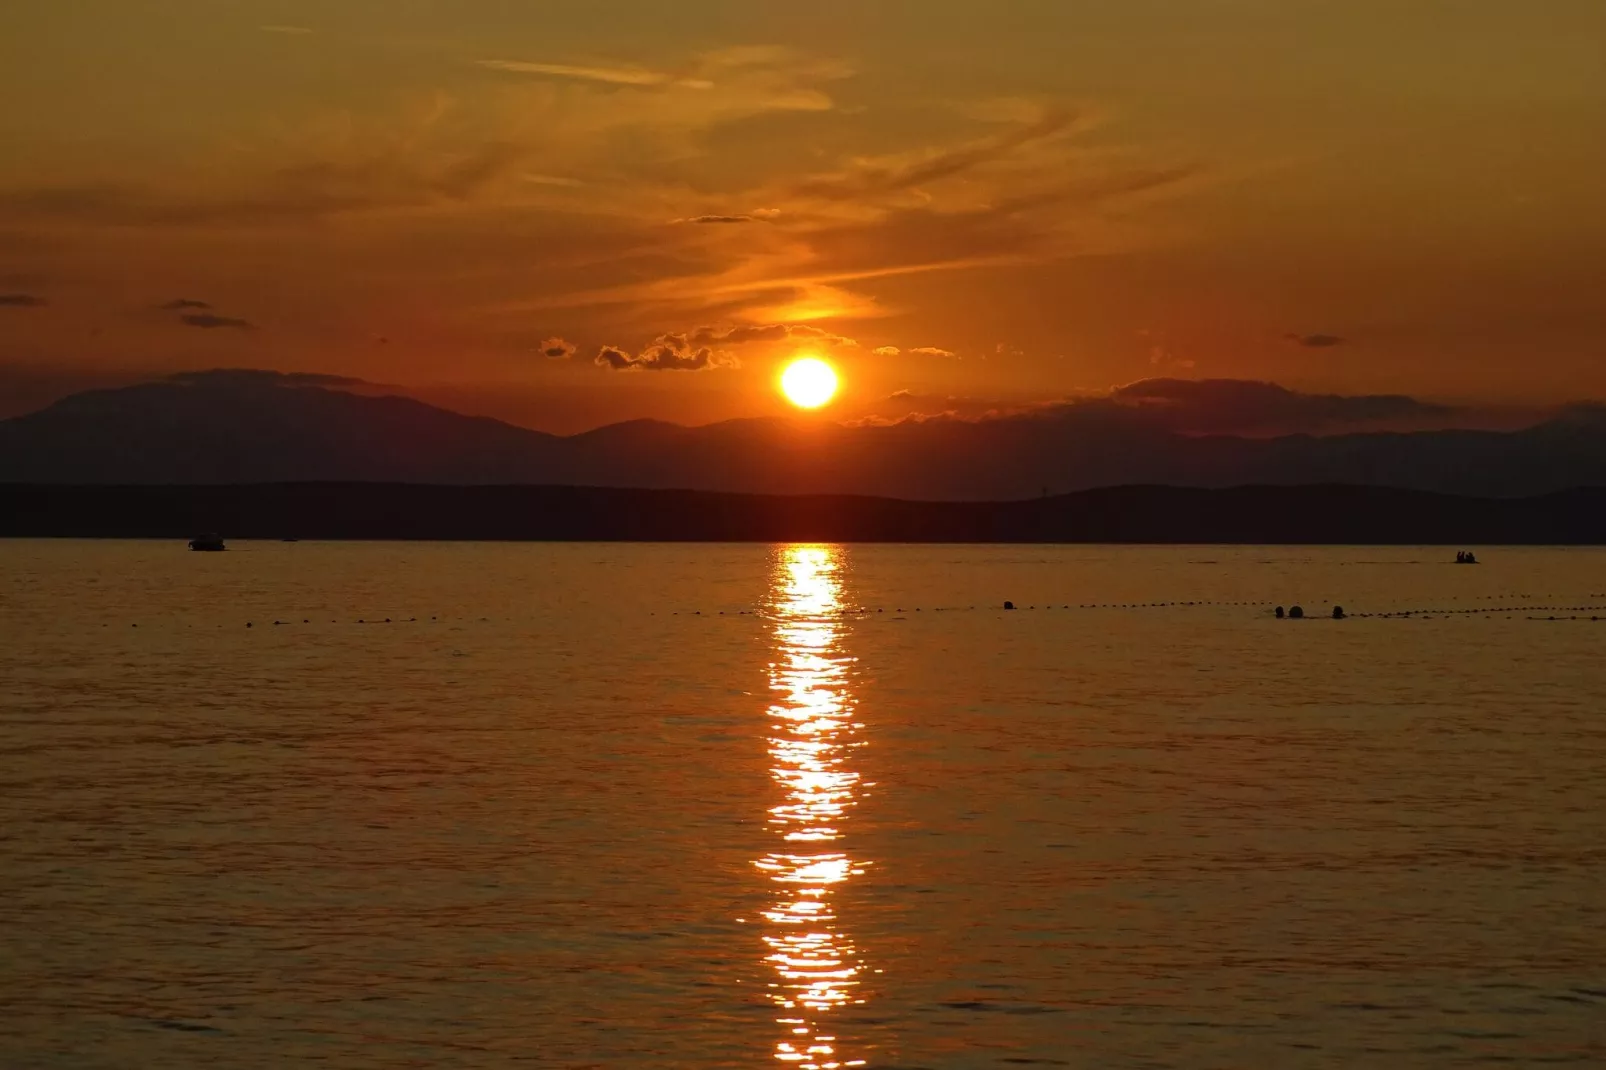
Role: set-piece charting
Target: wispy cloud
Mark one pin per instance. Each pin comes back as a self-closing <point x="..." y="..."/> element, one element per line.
<point x="718" y="219"/>
<point x="636" y="76"/>
<point x="263" y="377"/>
<point x="553" y="180"/>
<point x="1317" y="341"/>
<point x="389" y="174"/>
<point x="21" y="301"/>
<point x="905" y="172"/>
<point x="1028" y="195"/>
<point x="182" y="303"/>
<point x="768" y="332"/>
<point x="930" y="351"/>
<point x="888" y="351"/>
<point x="206" y="321"/>
<point x="1237" y="406"/>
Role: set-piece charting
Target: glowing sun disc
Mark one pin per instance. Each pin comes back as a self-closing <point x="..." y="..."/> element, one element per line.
<point x="808" y="382"/>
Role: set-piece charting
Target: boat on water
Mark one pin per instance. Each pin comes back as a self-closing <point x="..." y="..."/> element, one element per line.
<point x="1466" y="557"/>
<point x="211" y="541"/>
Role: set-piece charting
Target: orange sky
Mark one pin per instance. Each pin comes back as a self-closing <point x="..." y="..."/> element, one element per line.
<point x="1026" y="200"/>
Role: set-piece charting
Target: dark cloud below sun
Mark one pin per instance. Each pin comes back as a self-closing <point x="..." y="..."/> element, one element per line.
<point x="206" y="321"/>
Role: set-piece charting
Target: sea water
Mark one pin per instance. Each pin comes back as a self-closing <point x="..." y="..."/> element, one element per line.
<point x="507" y="805"/>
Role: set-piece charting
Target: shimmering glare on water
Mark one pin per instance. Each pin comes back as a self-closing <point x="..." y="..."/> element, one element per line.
<point x="816" y="964"/>
<point x="741" y="806"/>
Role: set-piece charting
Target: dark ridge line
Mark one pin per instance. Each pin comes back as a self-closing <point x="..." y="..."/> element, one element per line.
<point x="1256" y="515"/>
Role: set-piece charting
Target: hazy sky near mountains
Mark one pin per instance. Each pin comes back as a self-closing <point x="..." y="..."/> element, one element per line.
<point x="1026" y="200"/>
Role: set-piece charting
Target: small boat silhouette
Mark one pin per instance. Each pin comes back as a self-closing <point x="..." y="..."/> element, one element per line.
<point x="210" y="541"/>
<point x="1466" y="557"/>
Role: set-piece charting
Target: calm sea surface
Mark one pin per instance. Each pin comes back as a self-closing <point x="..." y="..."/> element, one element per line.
<point x="490" y="805"/>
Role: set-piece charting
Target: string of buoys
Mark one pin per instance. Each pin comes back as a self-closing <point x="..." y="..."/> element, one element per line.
<point x="1295" y="612"/>
<point x="1521" y="603"/>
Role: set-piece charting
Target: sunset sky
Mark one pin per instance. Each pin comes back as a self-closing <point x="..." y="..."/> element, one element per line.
<point x="566" y="214"/>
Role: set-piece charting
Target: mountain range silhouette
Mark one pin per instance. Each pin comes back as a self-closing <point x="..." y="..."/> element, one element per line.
<point x="246" y="427"/>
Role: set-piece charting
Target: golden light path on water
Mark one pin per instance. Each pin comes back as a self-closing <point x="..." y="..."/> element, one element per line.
<point x="813" y="736"/>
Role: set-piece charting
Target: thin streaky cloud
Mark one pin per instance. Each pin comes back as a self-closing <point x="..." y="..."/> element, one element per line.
<point x="294" y="31"/>
<point x="1317" y="341"/>
<point x="891" y="176"/>
<point x="553" y="180"/>
<point x="677" y="289"/>
<point x="638" y="76"/>
<point x="208" y="322"/>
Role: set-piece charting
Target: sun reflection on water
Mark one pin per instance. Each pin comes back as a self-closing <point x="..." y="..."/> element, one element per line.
<point x="814" y="734"/>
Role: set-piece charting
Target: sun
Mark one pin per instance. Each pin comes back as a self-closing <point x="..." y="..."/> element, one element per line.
<point x="808" y="382"/>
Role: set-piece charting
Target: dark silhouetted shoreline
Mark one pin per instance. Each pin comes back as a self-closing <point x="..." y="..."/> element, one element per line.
<point x="1139" y="514"/>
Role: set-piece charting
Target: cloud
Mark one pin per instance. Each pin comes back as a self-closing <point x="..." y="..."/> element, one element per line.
<point x="802" y="330"/>
<point x="294" y="31"/>
<point x="561" y="181"/>
<point x="557" y="349"/>
<point x="262" y="377"/>
<point x="768" y="332"/>
<point x="893" y="175"/>
<point x="633" y="76"/>
<point x="667" y="353"/>
<point x="1317" y="341"/>
<point x="359" y="174"/>
<point x="887" y="351"/>
<point x="1070" y="207"/>
<point x="1240" y="406"/>
<point x="182" y="303"/>
<point x="718" y="219"/>
<point x="21" y="301"/>
<point x="208" y="322"/>
<point x="930" y="351"/>
<point x="1195" y="407"/>
<point x="914" y="406"/>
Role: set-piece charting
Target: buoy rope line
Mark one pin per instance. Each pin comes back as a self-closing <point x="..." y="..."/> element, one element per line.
<point x="1523" y="604"/>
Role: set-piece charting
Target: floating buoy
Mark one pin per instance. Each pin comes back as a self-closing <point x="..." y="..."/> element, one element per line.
<point x="1338" y="612"/>
<point x="1279" y="612"/>
<point x="1296" y="613"/>
<point x="1009" y="605"/>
